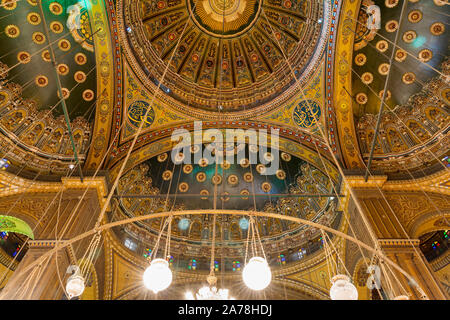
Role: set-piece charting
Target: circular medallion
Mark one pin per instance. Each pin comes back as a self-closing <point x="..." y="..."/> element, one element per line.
<point x="167" y="175"/>
<point x="391" y="26"/>
<point x="268" y="157"/>
<point x="266" y="187"/>
<point x="382" y="45"/>
<point x="203" y="162"/>
<point x="32" y="2"/>
<point x="9" y="4"/>
<point x="194" y="148"/>
<point x="55" y="8"/>
<point x="390" y="3"/>
<point x="281" y="174"/>
<point x="440" y="3"/>
<point x="162" y="157"/>
<point x="41" y="81"/>
<point x="244" y="162"/>
<point x="56" y="26"/>
<point x="415" y="16"/>
<point x="253" y="148"/>
<point x="400" y="55"/>
<point x="225" y="196"/>
<point x="361" y="98"/>
<point x="248" y="177"/>
<point x="437" y="28"/>
<point x="409" y="36"/>
<point x="201" y="176"/>
<point x="388" y="94"/>
<point x="360" y="59"/>
<point x="409" y="78"/>
<point x="64" y="45"/>
<point x="260" y="168"/>
<point x="23" y="57"/>
<point x="306" y="114"/>
<point x="62" y="69"/>
<point x="224" y="18"/>
<point x="367" y="78"/>
<point x="233" y="179"/>
<point x="46" y="56"/>
<point x="80" y="58"/>
<point x="33" y="18"/>
<point x="179" y="157"/>
<point x="137" y="111"/>
<point x="244" y="193"/>
<point x="425" y="55"/>
<point x="225" y="165"/>
<point x="65" y="93"/>
<point x="183" y="187"/>
<point x="204" y="192"/>
<point x="187" y="168"/>
<point x="216" y="179"/>
<point x="88" y="95"/>
<point x="383" y="69"/>
<point x="12" y="31"/>
<point x="285" y="156"/>
<point x="38" y="38"/>
<point x="79" y="76"/>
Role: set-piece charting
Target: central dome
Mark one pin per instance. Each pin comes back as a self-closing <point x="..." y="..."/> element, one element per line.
<point x="224" y="18"/>
<point x="224" y="56"/>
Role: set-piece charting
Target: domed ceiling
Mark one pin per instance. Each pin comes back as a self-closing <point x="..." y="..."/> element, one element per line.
<point x="231" y="55"/>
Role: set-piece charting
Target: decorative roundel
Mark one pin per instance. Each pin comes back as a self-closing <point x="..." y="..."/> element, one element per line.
<point x="23" y="57"/>
<point x="281" y="174"/>
<point x="88" y="95"/>
<point x="64" y="45"/>
<point x="248" y="177"/>
<point x="9" y="4"/>
<point x="388" y="94"/>
<point x="367" y="77"/>
<point x="253" y="148"/>
<point x="55" y="8"/>
<point x="244" y="193"/>
<point x="260" y="168"/>
<point x="46" y="56"/>
<point x="38" y="38"/>
<point x="391" y="26"/>
<point x="415" y="16"/>
<point x="203" y="162"/>
<point x="382" y="45"/>
<point x="33" y="18"/>
<point x="268" y="157"/>
<point x="32" y="2"/>
<point x="306" y="113"/>
<point x="187" y="168"/>
<point x="233" y="179"/>
<point x="244" y="162"/>
<point x="409" y="36"/>
<point x="425" y="55"/>
<point x="400" y="55"/>
<point x="285" y="156"/>
<point x="139" y="109"/>
<point x="12" y="31"/>
<point x="80" y="58"/>
<point x="360" y="59"/>
<point x="162" y="157"/>
<point x="225" y="196"/>
<point x="408" y="78"/>
<point x="79" y="76"/>
<point x="437" y="28"/>
<point x="383" y="69"/>
<point x="361" y="98"/>
<point x="226" y="165"/>
<point x="391" y="3"/>
<point x="183" y="187"/>
<point x="440" y="2"/>
<point x="56" y="26"/>
<point x="65" y="92"/>
<point x="41" y="81"/>
<point x="201" y="176"/>
<point x="194" y="148"/>
<point x="62" y="69"/>
<point x="167" y="175"/>
<point x="266" y="187"/>
<point x="179" y="157"/>
<point x="216" y="179"/>
<point x="204" y="192"/>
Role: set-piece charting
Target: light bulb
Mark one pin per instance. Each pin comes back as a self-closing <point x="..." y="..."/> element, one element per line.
<point x="75" y="286"/>
<point x="158" y="276"/>
<point x="257" y="274"/>
<point x="342" y="288"/>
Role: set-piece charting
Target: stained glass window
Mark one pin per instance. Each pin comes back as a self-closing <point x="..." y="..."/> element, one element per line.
<point x="192" y="264"/>
<point x="236" y="266"/>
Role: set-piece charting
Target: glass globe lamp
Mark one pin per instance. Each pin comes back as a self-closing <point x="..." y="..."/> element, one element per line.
<point x="342" y="288"/>
<point x="257" y="274"/>
<point x="158" y="276"/>
<point x="75" y="286"/>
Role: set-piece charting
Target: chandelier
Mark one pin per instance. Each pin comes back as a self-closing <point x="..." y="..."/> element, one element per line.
<point x="210" y="292"/>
